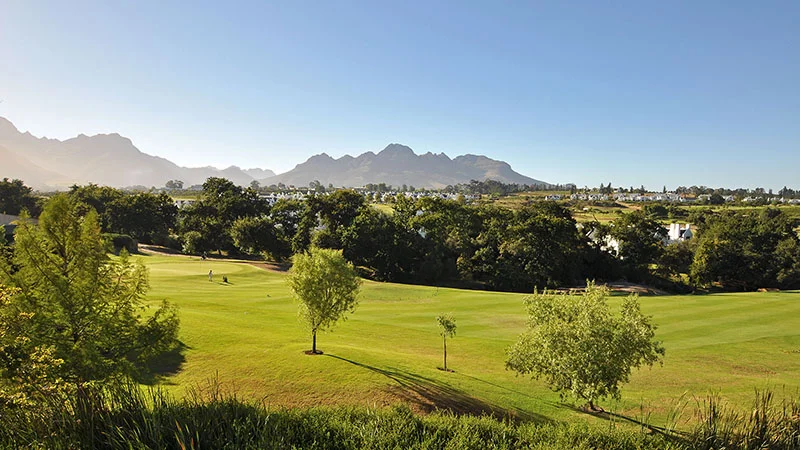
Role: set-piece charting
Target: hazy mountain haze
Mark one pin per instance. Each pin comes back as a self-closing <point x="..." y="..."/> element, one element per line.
<point x="113" y="160"/>
<point x="105" y="159"/>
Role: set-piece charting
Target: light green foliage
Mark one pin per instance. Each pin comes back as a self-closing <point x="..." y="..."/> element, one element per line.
<point x="447" y="329"/>
<point x="326" y="286"/>
<point x="28" y="373"/>
<point x="85" y="306"/>
<point x="578" y="346"/>
<point x="447" y="325"/>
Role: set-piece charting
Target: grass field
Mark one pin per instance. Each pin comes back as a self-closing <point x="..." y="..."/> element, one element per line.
<point x="247" y="336"/>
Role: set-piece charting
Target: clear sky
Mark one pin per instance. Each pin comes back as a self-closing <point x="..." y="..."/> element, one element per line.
<point x="641" y="92"/>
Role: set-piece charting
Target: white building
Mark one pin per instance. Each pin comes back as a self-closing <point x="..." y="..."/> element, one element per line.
<point x="680" y="232"/>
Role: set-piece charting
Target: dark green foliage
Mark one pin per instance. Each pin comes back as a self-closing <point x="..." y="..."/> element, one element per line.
<point x="656" y="210"/>
<point x="144" y="216"/>
<point x="118" y="242"/>
<point x="641" y="242"/>
<point x="259" y="235"/>
<point x="15" y="197"/>
<point x="676" y="259"/>
<point x="745" y="251"/>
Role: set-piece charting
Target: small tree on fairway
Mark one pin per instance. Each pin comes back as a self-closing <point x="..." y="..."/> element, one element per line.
<point x="578" y="346"/>
<point x="326" y="286"/>
<point x="447" y="328"/>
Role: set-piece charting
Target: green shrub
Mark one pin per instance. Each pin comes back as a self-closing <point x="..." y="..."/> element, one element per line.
<point x="121" y="241"/>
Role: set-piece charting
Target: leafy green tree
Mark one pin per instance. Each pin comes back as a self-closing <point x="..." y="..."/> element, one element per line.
<point x="84" y="305"/>
<point x="447" y="329"/>
<point x="222" y="203"/>
<point x="379" y="243"/>
<point x="259" y="235"/>
<point x="746" y="251"/>
<point x="15" y="197"/>
<point x="641" y="241"/>
<point x="676" y="258"/>
<point x="326" y="286"/>
<point x="577" y="345"/>
<point x="144" y="216"/>
<point x="716" y="199"/>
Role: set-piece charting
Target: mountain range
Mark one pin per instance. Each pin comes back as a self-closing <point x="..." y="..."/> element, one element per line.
<point x="397" y="165"/>
<point x="113" y="160"/>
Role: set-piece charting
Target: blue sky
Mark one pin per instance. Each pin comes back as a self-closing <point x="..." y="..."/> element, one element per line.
<point x="639" y="92"/>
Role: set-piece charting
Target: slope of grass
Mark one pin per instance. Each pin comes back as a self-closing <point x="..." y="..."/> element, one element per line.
<point x="246" y="334"/>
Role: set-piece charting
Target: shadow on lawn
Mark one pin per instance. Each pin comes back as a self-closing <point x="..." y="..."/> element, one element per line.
<point x="164" y="365"/>
<point x="428" y="395"/>
<point x="672" y="435"/>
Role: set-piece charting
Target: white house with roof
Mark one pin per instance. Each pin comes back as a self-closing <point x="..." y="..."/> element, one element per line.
<point x="680" y="232"/>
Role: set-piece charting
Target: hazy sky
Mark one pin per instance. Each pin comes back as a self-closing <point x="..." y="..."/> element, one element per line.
<point x="641" y="92"/>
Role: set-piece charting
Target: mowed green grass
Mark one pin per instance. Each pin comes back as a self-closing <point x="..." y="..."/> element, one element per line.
<point x="247" y="336"/>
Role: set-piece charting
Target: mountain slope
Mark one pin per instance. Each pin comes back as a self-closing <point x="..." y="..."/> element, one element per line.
<point x="398" y="165"/>
<point x="105" y="159"/>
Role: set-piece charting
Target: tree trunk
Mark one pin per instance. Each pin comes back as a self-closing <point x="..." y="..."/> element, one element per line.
<point x="314" y="341"/>
<point x="444" y="341"/>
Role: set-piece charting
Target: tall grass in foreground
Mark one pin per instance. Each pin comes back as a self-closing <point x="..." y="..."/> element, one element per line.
<point x="131" y="418"/>
<point x="766" y="426"/>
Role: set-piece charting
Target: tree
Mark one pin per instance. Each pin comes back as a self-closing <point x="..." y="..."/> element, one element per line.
<point x="174" y="185"/>
<point x="746" y="251"/>
<point x="326" y="286"/>
<point x="259" y="235"/>
<point x="82" y="304"/>
<point x="578" y="346"/>
<point x="447" y="329"/>
<point x="15" y="197"/>
<point x="641" y="241"/>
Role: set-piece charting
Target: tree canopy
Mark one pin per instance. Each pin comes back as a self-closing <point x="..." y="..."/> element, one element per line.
<point x="578" y="346"/>
<point x="15" y="197"/>
<point x="326" y="286"/>
<point x="82" y="305"/>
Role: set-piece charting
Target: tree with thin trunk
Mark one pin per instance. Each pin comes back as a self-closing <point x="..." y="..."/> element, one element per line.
<point x="447" y="328"/>
<point x="327" y="287"/>
<point x="579" y="346"/>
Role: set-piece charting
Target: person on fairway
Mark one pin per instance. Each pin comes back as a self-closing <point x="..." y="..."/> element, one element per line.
<point x="210" y="275"/>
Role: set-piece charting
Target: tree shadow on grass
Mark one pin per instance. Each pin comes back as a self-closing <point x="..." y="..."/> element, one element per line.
<point x="428" y="395"/>
<point x="671" y="435"/>
<point x="167" y="364"/>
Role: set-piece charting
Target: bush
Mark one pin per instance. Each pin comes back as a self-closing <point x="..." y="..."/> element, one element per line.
<point x="192" y="242"/>
<point x="121" y="241"/>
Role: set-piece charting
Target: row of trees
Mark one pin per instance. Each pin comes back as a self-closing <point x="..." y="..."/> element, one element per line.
<point x="430" y="240"/>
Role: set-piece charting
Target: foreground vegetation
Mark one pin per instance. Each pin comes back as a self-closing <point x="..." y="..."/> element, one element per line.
<point x="125" y="417"/>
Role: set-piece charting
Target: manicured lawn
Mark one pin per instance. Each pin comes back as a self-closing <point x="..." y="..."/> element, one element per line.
<point x="246" y="335"/>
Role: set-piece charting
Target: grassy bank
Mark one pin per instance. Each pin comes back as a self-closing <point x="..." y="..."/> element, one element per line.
<point x="246" y="334"/>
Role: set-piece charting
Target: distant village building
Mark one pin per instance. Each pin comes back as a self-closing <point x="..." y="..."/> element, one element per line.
<point x="678" y="232"/>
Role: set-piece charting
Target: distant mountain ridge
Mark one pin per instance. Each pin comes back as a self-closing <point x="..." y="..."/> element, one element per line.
<point x="113" y="160"/>
<point x="105" y="159"/>
<point x="397" y="165"/>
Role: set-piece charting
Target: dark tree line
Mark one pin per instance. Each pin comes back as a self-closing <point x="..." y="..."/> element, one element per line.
<point x="434" y="241"/>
